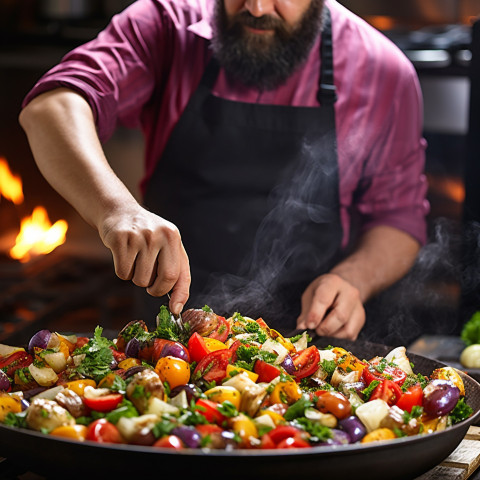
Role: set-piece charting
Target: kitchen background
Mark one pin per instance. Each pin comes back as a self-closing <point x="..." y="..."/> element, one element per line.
<point x="74" y="288"/>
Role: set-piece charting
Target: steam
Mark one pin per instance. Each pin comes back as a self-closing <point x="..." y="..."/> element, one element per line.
<point x="255" y="290"/>
<point x="428" y="300"/>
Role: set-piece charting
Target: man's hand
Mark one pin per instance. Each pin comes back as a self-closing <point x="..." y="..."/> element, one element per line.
<point x="332" y="307"/>
<point x="148" y="250"/>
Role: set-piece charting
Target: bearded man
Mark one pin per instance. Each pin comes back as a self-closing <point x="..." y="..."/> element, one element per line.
<point x="283" y="156"/>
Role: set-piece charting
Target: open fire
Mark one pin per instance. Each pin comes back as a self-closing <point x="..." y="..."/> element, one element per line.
<point x="37" y="236"/>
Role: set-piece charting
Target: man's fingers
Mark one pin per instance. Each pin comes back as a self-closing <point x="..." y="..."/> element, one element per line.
<point x="351" y="329"/>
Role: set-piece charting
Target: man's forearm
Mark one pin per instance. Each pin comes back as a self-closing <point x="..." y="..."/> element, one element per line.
<point x="64" y="142"/>
<point x="383" y="256"/>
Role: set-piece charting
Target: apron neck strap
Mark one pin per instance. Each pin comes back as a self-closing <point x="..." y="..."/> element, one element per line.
<point x="327" y="93"/>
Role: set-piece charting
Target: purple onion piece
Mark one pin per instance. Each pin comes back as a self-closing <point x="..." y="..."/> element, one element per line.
<point x="188" y="435"/>
<point x="39" y="339"/>
<point x="4" y="381"/>
<point x="132" y="348"/>
<point x="176" y="350"/>
<point x="191" y="390"/>
<point x="28" y="394"/>
<point x="132" y="371"/>
<point x="339" y="437"/>
<point x="288" y="364"/>
<point x="25" y="404"/>
<point x="354" y="427"/>
<point x="440" y="397"/>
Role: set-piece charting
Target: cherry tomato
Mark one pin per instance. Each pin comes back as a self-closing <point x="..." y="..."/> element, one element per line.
<point x="173" y="370"/>
<point x="151" y="351"/>
<point x="197" y="347"/>
<point x="213" y="367"/>
<point x="102" y="431"/>
<point x="266" y="372"/>
<point x="390" y="372"/>
<point x="335" y="403"/>
<point x="222" y="331"/>
<point x="118" y="356"/>
<point x="388" y="391"/>
<point x="306" y="362"/>
<point x="281" y="432"/>
<point x="209" y="410"/>
<point x="293" y="442"/>
<point x="411" y="397"/>
<point x="102" y="403"/>
<point x="284" y="436"/>
<point x="81" y="341"/>
<point x="208" y="429"/>
<point x="169" y="441"/>
<point x="14" y="361"/>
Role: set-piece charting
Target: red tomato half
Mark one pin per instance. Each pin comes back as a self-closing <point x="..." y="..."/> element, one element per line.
<point x="197" y="347"/>
<point x="81" y="341"/>
<point x="118" y="356"/>
<point x="14" y="361"/>
<point x="412" y="397"/>
<point x="284" y="436"/>
<point x="265" y="371"/>
<point x="104" y="403"/>
<point x="102" y="431"/>
<point x="388" y="391"/>
<point x="209" y="410"/>
<point x="213" y="367"/>
<point x="306" y="362"/>
<point x="222" y="331"/>
<point x="390" y="372"/>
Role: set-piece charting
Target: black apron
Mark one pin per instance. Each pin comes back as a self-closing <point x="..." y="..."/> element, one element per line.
<point x="254" y="192"/>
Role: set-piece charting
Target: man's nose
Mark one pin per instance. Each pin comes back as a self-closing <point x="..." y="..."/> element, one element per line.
<point x="259" y="8"/>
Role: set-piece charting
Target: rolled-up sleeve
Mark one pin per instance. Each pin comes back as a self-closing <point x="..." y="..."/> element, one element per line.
<point x="393" y="187"/>
<point x="115" y="72"/>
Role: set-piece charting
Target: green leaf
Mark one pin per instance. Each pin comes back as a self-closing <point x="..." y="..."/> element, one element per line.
<point x="470" y="333"/>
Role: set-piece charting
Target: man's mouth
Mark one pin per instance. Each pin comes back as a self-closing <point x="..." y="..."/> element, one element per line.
<point x="259" y="31"/>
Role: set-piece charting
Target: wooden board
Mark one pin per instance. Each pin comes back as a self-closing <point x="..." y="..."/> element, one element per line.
<point x="462" y="462"/>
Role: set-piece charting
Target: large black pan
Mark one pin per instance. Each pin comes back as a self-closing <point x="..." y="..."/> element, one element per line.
<point x="403" y="459"/>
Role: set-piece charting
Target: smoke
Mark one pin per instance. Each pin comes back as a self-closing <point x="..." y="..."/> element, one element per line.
<point x="282" y="242"/>
<point x="439" y="293"/>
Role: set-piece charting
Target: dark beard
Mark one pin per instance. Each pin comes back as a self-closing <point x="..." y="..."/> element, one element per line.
<point x="263" y="62"/>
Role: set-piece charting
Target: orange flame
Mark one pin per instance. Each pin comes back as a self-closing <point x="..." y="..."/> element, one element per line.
<point x="10" y="184"/>
<point x="38" y="236"/>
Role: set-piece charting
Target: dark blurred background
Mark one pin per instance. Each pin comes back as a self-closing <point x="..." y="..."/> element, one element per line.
<point x="74" y="287"/>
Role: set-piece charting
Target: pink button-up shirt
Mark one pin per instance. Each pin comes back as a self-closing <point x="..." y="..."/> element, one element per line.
<point x="142" y="69"/>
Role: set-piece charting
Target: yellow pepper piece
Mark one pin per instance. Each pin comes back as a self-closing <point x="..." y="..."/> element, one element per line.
<point x="9" y="403"/>
<point x="75" y="432"/>
<point x="223" y="393"/>
<point x="378" y="434"/>
<point x="275" y="416"/>
<point x="213" y="344"/>
<point x="129" y="363"/>
<point x="245" y="428"/>
<point x="285" y="392"/>
<point x="232" y="368"/>
<point x="78" y="386"/>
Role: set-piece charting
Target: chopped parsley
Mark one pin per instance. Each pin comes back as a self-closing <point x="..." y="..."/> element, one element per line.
<point x="461" y="411"/>
<point x="318" y="432"/>
<point x="98" y="356"/>
<point x="167" y="327"/>
<point x="367" y="392"/>
<point x="298" y="408"/>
